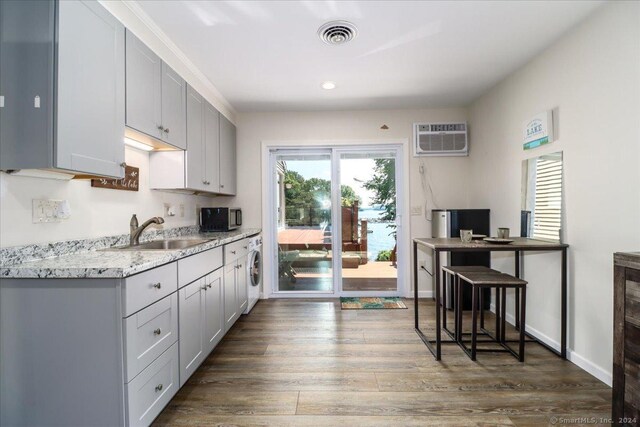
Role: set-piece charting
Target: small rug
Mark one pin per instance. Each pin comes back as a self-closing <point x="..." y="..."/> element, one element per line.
<point x="366" y="303"/>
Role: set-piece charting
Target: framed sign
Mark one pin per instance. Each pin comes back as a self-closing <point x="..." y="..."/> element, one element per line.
<point x="128" y="183"/>
<point x="538" y="130"/>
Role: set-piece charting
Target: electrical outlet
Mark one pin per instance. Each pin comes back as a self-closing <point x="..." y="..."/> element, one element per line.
<point x="416" y="210"/>
<point x="49" y="210"/>
<point x="181" y="210"/>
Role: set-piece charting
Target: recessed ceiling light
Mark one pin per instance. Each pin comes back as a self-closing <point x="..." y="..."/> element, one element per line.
<point x="328" y="85"/>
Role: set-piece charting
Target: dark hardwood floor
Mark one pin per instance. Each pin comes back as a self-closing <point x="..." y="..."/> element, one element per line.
<point x="308" y="363"/>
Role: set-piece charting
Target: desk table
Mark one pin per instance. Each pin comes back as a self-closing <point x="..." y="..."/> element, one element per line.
<point x="519" y="245"/>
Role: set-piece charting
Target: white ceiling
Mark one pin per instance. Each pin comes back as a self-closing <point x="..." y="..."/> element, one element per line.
<point x="266" y="56"/>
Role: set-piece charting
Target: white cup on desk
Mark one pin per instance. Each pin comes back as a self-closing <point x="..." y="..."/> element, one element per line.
<point x="466" y="236"/>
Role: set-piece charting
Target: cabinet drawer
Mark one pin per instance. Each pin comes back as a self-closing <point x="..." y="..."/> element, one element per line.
<point x="150" y="391"/>
<point x="198" y="265"/>
<point x="148" y="333"/>
<point x="146" y="288"/>
<point x="236" y="250"/>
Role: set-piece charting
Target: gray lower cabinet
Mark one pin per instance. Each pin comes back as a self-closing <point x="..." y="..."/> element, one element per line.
<point x="227" y="157"/>
<point x="235" y="281"/>
<point x="108" y="352"/>
<point x="62" y="83"/>
<point x="156" y="95"/>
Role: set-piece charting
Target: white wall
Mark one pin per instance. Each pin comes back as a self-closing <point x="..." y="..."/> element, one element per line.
<point x="95" y="212"/>
<point x="449" y="176"/>
<point x="592" y="77"/>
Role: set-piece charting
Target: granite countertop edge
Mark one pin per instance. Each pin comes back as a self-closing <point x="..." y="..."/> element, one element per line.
<point x="114" y="264"/>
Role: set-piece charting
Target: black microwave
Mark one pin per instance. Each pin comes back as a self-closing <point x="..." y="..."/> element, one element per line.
<point x="220" y="219"/>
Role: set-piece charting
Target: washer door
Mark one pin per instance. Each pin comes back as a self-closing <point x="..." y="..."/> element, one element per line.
<point x="255" y="268"/>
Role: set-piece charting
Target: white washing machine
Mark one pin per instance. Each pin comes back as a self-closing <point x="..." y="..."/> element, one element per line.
<point x="254" y="271"/>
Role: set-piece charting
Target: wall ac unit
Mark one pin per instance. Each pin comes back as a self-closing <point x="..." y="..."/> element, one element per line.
<point x="440" y="139"/>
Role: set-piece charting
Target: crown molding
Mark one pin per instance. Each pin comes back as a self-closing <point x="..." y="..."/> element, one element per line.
<point x="136" y="9"/>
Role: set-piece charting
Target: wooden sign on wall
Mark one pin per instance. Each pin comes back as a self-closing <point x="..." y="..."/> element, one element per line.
<point x="128" y="183"/>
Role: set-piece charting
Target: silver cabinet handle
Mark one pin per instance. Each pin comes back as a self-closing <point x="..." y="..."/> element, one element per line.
<point x="157" y="331"/>
<point x="161" y="128"/>
<point x="209" y="286"/>
<point x="204" y="288"/>
<point x="221" y="185"/>
<point x="159" y="387"/>
<point x="123" y="165"/>
<point x="166" y="130"/>
<point x="233" y="252"/>
<point x="157" y="285"/>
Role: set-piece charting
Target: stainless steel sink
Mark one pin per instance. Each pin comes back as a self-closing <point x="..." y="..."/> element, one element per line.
<point x="162" y="245"/>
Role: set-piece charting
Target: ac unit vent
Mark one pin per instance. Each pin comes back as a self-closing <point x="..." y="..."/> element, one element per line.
<point x="440" y="139"/>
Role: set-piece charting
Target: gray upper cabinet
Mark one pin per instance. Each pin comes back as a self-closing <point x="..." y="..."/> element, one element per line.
<point x="227" y="157"/>
<point x="212" y="147"/>
<point x="156" y="96"/>
<point x="174" y="108"/>
<point x="144" y="71"/>
<point x="195" y="154"/>
<point x="62" y="83"/>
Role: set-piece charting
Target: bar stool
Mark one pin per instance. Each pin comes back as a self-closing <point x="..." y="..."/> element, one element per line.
<point x="451" y="273"/>
<point x="501" y="282"/>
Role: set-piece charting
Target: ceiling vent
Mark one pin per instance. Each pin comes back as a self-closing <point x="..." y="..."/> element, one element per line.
<point x="337" y="32"/>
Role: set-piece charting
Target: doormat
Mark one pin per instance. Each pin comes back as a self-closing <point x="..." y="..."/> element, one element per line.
<point x="366" y="303"/>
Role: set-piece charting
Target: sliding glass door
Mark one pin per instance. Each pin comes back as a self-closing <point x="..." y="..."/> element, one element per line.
<point x="335" y="216"/>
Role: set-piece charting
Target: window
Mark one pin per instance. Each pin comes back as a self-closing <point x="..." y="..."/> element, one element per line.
<point x="544" y="196"/>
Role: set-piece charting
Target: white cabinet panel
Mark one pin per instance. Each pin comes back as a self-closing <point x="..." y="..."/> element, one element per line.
<point x="213" y="310"/>
<point x="144" y="71"/>
<point x="149" y="333"/>
<point x="192" y="351"/>
<point x="150" y="391"/>
<point x="230" y="298"/>
<point x="148" y="287"/>
<point x="198" y="265"/>
<point x="174" y="108"/>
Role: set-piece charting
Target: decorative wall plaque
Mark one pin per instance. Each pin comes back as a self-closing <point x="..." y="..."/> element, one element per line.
<point x="128" y="183"/>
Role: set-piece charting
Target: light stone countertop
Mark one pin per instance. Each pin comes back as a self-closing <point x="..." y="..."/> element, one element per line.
<point x="110" y="263"/>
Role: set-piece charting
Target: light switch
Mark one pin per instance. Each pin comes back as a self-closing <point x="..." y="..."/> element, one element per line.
<point x="416" y="210"/>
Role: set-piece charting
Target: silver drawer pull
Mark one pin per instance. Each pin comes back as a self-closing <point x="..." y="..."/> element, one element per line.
<point x="233" y="252"/>
<point x="204" y="288"/>
<point x="209" y="286"/>
<point x="166" y="130"/>
<point x="157" y="331"/>
<point x="157" y="285"/>
<point x="161" y="128"/>
<point x="158" y="387"/>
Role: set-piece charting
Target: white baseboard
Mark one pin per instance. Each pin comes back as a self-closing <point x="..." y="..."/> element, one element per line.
<point x="578" y="360"/>
<point x="595" y="370"/>
<point x="424" y="294"/>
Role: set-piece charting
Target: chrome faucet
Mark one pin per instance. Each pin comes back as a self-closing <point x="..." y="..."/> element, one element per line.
<point x="135" y="231"/>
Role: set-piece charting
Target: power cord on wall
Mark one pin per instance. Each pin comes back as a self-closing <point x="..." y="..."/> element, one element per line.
<point x="425" y="182"/>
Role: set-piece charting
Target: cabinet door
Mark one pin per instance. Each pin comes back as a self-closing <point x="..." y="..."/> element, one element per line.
<point x="212" y="147"/>
<point x="26" y="72"/>
<point x="143" y="70"/>
<point x="241" y="284"/>
<point x="195" y="154"/>
<point x="213" y="310"/>
<point x="174" y="108"/>
<point x="230" y="298"/>
<point x="191" y="315"/>
<point x="90" y="90"/>
<point x="227" y="156"/>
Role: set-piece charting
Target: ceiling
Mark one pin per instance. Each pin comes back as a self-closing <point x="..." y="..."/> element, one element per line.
<point x="267" y="56"/>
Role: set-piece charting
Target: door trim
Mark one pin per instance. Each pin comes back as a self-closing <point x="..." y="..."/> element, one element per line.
<point x="269" y="177"/>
